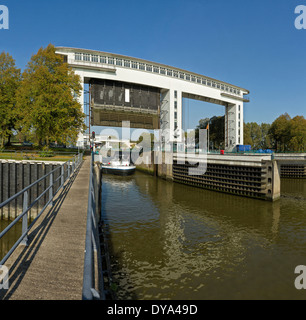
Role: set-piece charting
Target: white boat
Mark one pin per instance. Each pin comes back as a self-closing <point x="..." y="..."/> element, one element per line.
<point x="118" y="167"/>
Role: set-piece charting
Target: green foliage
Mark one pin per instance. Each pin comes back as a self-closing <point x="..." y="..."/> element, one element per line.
<point x="51" y="112"/>
<point x="280" y="132"/>
<point x="9" y="83"/>
<point x="257" y="136"/>
<point x="216" y="127"/>
<point x="284" y="134"/>
<point x="298" y="134"/>
<point x="114" y="287"/>
<point x="46" y="153"/>
<point x="289" y="134"/>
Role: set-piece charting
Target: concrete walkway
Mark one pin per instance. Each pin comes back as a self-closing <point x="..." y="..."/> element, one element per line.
<point x="51" y="266"/>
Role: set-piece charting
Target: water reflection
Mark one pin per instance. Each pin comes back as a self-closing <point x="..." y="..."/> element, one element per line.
<point x="171" y="241"/>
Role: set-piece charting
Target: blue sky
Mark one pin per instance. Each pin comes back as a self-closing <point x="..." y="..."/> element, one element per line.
<point x="252" y="44"/>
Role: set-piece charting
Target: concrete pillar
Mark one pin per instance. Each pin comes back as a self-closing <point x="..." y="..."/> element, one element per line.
<point x="273" y="181"/>
<point x="164" y="169"/>
<point x="233" y="125"/>
<point x="169" y="165"/>
<point x="241" y="122"/>
<point x="171" y="120"/>
<point x="80" y="140"/>
<point x="180" y="135"/>
<point x="165" y="116"/>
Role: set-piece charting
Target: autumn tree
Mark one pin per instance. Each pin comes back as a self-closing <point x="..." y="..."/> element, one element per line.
<point x="9" y="83"/>
<point x="48" y="99"/>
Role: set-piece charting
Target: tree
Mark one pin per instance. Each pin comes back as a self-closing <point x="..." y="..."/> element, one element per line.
<point x="216" y="127"/>
<point x="280" y="132"/>
<point x="247" y="135"/>
<point x="9" y="83"/>
<point x="48" y="99"/>
<point x="298" y="134"/>
<point x="257" y="136"/>
<point x="266" y="142"/>
<point x="216" y="131"/>
<point x="254" y="135"/>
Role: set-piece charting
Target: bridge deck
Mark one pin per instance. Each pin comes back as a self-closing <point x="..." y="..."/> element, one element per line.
<point x="51" y="267"/>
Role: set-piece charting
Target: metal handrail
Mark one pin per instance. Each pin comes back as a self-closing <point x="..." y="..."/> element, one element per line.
<point x="92" y="289"/>
<point x="72" y="166"/>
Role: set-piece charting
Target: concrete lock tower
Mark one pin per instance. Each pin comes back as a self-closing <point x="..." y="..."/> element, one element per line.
<point x="150" y="94"/>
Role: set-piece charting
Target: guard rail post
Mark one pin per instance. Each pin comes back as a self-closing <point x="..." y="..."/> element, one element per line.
<point x="25" y="219"/>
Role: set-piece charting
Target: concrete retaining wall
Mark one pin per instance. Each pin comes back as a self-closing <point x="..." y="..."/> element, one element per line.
<point x="255" y="176"/>
<point x="293" y="171"/>
<point x="159" y="164"/>
<point x="292" y="165"/>
<point x="243" y="175"/>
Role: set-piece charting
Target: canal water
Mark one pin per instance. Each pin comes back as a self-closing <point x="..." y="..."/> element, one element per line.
<point x="170" y="241"/>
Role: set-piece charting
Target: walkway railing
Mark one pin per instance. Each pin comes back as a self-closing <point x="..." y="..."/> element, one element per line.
<point x="93" y="286"/>
<point x="49" y="191"/>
